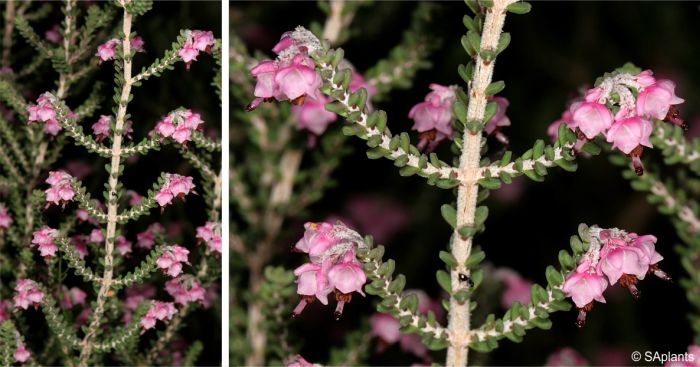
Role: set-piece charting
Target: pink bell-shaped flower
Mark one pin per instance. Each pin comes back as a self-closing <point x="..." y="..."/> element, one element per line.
<point x="591" y="118"/>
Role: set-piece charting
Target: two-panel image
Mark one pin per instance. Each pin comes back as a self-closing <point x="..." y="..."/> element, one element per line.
<point x="349" y="183"/>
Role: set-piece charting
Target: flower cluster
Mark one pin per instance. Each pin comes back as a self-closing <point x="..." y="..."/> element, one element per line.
<point x="146" y="239"/>
<point x="27" y="293"/>
<point x="333" y="265"/>
<point x="108" y="50"/>
<point x="621" y="107"/>
<point x="43" y="112"/>
<point x="210" y="234"/>
<point x="613" y="256"/>
<point x="185" y="289"/>
<point x="43" y="240"/>
<point x="162" y="311"/>
<point x="21" y="353"/>
<point x="72" y="297"/>
<point x="179" y="125"/>
<point x="176" y="186"/>
<point x="61" y="190"/>
<point x="292" y="76"/>
<point x="122" y="245"/>
<point x="197" y="41"/>
<point x="101" y="127"/>
<point x="5" y="219"/>
<point x="433" y="117"/>
<point x="172" y="259"/>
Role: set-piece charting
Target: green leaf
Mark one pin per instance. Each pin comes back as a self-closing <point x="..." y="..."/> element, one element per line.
<point x="448" y="259"/>
<point x="449" y="214"/>
<point x="444" y="280"/>
<point x="519" y="8"/>
<point x="460" y="111"/>
<point x="495" y="88"/>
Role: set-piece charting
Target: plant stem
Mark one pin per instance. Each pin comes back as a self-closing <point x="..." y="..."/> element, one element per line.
<point x="7" y="35"/>
<point x="112" y="202"/>
<point x="459" y="313"/>
<point x="279" y="197"/>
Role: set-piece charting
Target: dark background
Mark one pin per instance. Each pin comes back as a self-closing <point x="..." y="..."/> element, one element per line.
<point x="555" y="49"/>
<point x="151" y="101"/>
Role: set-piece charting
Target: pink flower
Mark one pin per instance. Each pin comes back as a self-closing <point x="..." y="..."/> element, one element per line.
<point x="4" y="306"/>
<point x="284" y="43"/>
<point x="196" y="41"/>
<point x="433" y="116"/>
<point x="203" y="40"/>
<point x="317" y="239"/>
<point x="516" y="288"/>
<point x="498" y="120"/>
<point x="645" y="78"/>
<point x="72" y="297"/>
<point x="122" y="245"/>
<point x="179" y="125"/>
<point x="298" y="79"/>
<point x="162" y="311"/>
<point x="27" y="293"/>
<point x="43" y="239"/>
<point x="312" y="281"/>
<point x="134" y="197"/>
<point x="146" y="239"/>
<point x="101" y="127"/>
<point x="264" y="74"/>
<point x="175" y="186"/>
<point x="172" y="259"/>
<point x="347" y="277"/>
<point x="565" y="357"/>
<point x="96" y="236"/>
<point x="358" y="81"/>
<point x="53" y="35"/>
<point x="43" y="112"/>
<point x="188" y="53"/>
<point x="299" y="361"/>
<point x="5" y="219"/>
<point x="312" y="115"/>
<point x="136" y="44"/>
<point x="185" y="289"/>
<point x="80" y="244"/>
<point x="210" y="234"/>
<point x="591" y="118"/>
<point x="553" y="129"/>
<point x="584" y="287"/>
<point x="656" y="100"/>
<point x="107" y="51"/>
<point x="593" y="94"/>
<point x="61" y="190"/>
<point x="629" y="133"/>
<point x="21" y="353"/>
<point x="626" y="262"/>
<point x="333" y="265"/>
<point x="386" y="327"/>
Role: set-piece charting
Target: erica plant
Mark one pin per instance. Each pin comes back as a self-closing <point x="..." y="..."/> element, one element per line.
<point x="86" y="278"/>
<point x="629" y="114"/>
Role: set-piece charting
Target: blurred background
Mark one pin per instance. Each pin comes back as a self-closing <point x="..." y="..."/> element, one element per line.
<point x="555" y="49"/>
<point x="156" y="97"/>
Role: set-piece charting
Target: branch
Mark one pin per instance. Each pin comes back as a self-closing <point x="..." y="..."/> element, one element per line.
<point x="402" y="305"/>
<point x="372" y="127"/>
<point x="675" y="147"/>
